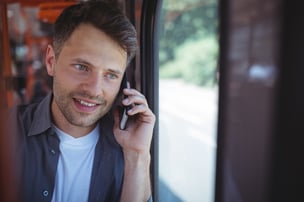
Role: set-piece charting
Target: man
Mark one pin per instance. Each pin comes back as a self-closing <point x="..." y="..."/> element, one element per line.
<point x="71" y="145"/>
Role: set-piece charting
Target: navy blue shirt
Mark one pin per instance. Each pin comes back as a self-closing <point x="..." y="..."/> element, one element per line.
<point x="38" y="147"/>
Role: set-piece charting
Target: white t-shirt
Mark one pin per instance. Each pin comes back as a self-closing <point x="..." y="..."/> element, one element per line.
<point x="74" y="168"/>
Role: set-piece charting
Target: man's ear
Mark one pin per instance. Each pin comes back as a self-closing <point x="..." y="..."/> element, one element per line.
<point x="50" y="60"/>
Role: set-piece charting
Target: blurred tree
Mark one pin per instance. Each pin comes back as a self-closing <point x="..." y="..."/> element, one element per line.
<point x="185" y="22"/>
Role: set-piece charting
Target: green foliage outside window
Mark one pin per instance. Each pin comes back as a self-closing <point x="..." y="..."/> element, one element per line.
<point x="188" y="42"/>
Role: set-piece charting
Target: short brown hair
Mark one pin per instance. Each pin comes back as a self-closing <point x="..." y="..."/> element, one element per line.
<point x="101" y="15"/>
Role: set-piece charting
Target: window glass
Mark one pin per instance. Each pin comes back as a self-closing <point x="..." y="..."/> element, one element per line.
<point x="188" y="104"/>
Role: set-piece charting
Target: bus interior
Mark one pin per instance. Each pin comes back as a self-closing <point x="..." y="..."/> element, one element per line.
<point x="223" y="78"/>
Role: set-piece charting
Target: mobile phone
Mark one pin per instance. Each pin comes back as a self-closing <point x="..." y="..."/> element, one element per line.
<point x="124" y="116"/>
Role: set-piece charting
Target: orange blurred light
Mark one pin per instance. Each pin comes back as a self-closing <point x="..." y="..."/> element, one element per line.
<point x="49" y="11"/>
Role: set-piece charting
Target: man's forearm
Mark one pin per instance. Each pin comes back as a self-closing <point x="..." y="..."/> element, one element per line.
<point x="136" y="184"/>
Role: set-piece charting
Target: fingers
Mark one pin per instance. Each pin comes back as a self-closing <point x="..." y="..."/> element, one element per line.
<point x="136" y="100"/>
<point x="139" y="130"/>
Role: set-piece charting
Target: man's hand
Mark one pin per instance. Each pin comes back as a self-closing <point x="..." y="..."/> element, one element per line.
<point x="135" y="141"/>
<point x="138" y="133"/>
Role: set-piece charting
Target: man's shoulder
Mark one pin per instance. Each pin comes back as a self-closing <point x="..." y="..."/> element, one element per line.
<point x="21" y="112"/>
<point x="31" y="108"/>
<point x="21" y="117"/>
<point x="31" y="118"/>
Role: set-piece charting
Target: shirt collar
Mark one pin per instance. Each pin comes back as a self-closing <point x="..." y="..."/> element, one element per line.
<point x="42" y="116"/>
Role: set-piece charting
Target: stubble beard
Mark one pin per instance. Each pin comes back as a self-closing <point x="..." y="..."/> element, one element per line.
<point x="65" y="105"/>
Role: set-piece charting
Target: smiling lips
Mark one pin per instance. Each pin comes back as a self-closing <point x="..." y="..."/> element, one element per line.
<point x="85" y="106"/>
<point x="86" y="103"/>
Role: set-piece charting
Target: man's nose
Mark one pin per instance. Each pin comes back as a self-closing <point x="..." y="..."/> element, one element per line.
<point x="95" y="84"/>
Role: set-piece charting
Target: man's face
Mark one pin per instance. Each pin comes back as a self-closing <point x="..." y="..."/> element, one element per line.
<point x="87" y="76"/>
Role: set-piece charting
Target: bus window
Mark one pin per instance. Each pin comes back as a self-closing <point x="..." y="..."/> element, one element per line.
<point x="188" y="95"/>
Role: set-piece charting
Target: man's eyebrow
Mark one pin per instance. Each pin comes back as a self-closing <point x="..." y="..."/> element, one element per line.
<point x="114" y="71"/>
<point x="82" y="61"/>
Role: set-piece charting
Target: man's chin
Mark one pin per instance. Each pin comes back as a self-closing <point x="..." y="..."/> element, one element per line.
<point x="87" y="120"/>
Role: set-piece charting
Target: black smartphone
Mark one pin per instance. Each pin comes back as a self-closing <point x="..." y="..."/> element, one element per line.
<point x="124" y="116"/>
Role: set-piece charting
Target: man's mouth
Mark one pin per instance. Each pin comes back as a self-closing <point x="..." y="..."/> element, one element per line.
<point x="84" y="103"/>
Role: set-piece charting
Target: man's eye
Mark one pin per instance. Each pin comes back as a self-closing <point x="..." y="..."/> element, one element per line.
<point x="81" y="67"/>
<point x="111" y="76"/>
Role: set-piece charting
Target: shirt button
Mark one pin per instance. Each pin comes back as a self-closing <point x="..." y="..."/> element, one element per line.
<point x="53" y="151"/>
<point x="45" y="193"/>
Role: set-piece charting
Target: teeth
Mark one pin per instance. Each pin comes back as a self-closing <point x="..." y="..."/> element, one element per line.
<point x="86" y="103"/>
